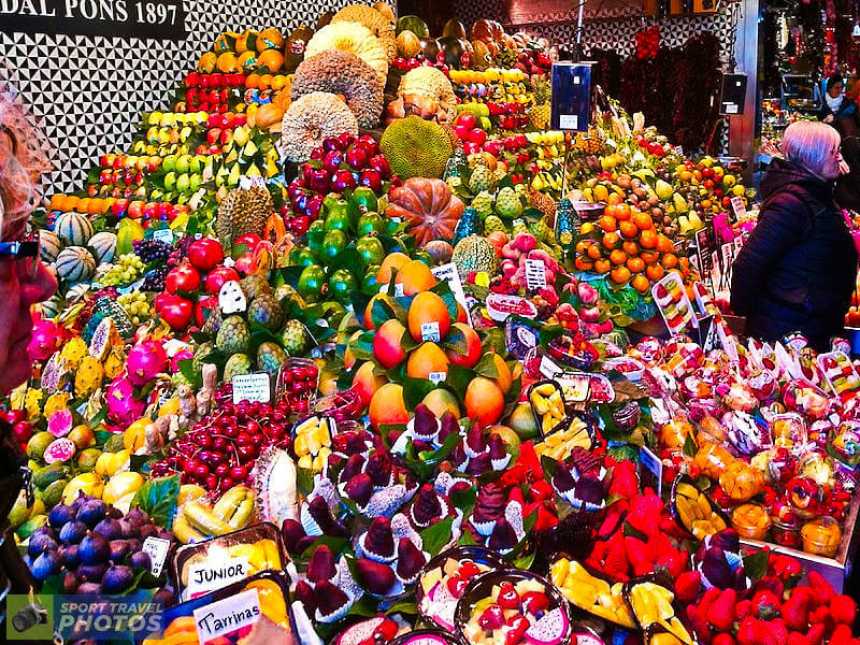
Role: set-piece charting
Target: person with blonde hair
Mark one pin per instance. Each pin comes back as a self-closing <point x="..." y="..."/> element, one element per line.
<point x="797" y="270"/>
<point x="24" y="281"/>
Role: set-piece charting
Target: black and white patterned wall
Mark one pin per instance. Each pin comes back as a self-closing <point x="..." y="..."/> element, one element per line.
<point x="89" y="92"/>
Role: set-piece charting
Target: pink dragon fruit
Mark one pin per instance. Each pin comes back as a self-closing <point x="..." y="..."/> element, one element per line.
<point x="178" y="357"/>
<point x="552" y="628"/>
<point x="145" y="361"/>
<point x="123" y="408"/>
<point x="47" y="337"/>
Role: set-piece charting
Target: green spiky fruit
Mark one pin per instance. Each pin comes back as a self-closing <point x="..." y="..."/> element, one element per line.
<point x="494" y="223"/>
<point x="508" y="204"/>
<point x="475" y="253"/>
<point x="483" y="203"/>
<point x="481" y="179"/>
<point x="235" y="365"/>
<point x="270" y="357"/>
<point x="542" y="231"/>
<point x="233" y="337"/>
<point x="416" y="148"/>
<point x="253" y="285"/>
<point x="295" y="338"/>
<point x="212" y="324"/>
<point x="266" y="311"/>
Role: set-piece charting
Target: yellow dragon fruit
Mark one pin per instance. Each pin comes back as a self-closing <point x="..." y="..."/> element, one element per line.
<point x="57" y="401"/>
<point x="88" y="377"/>
<point x="33" y="402"/>
<point x="74" y="351"/>
<point x="115" y="362"/>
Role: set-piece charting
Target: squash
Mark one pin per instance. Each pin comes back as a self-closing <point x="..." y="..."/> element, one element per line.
<point x="429" y="208"/>
<point x="408" y="44"/>
<point x="268" y="115"/>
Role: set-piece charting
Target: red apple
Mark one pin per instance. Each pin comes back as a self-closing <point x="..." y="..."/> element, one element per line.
<point x="205" y="254"/>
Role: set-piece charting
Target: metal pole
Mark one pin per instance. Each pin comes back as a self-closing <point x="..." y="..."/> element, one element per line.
<point x="579" y="20"/>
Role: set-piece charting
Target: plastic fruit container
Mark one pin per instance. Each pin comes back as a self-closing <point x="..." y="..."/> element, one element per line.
<point x="786" y="534"/>
<point x="341" y="405"/>
<point x="821" y="536"/>
<point x="751" y="521"/>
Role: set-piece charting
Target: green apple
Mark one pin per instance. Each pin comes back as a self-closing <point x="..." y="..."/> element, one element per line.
<point x="183" y="164"/>
<point x="195" y="181"/>
<point x="183" y="183"/>
<point x="169" y="163"/>
<point x="169" y="180"/>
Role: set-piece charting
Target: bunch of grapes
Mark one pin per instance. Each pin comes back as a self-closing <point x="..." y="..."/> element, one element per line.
<point x="136" y="306"/>
<point x="154" y="279"/>
<point x="124" y="271"/>
<point x="152" y="250"/>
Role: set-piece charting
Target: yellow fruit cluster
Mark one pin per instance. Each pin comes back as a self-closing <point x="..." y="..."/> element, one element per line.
<point x="548" y="405"/>
<point x="312" y="444"/>
<point x="695" y="511"/>
<point x="196" y="520"/>
<point x="561" y="443"/>
<point x="590" y="593"/>
<point x="492" y="75"/>
<point x="652" y="605"/>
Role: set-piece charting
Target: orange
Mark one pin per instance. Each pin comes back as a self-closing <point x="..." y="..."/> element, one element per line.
<point x="641" y="284"/>
<point x="620" y="275"/>
<point x="248" y="61"/>
<point x="265" y="81"/>
<point x="607" y="223"/>
<point x="669" y="261"/>
<point x="83" y="206"/>
<point x="654" y="272"/>
<point x="636" y="265"/>
<point x="484" y="401"/>
<point x="630" y="248"/>
<point x="428" y="359"/>
<point x="387" y="406"/>
<point x="228" y="63"/>
<point x="643" y="221"/>
<point x="623" y="212"/>
<point x="271" y="59"/>
<point x="428" y="314"/>
<point x="582" y="264"/>
<point x="57" y="200"/>
<point x="648" y="239"/>
<point x="392" y="261"/>
<point x="618" y="257"/>
<point x="594" y="252"/>
<point x="278" y="82"/>
<point x="664" y="244"/>
<point x="610" y="210"/>
<point x="366" y="383"/>
<point x="252" y="81"/>
<point x="415" y="276"/>
<point x="581" y="247"/>
<point x="270" y="38"/>
<point x="504" y="379"/>
<point x="207" y="62"/>
<point x="602" y="266"/>
<point x="629" y="230"/>
<point x="614" y="198"/>
<point x="611" y="240"/>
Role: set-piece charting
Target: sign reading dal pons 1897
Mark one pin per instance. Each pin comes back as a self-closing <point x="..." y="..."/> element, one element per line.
<point x="162" y="19"/>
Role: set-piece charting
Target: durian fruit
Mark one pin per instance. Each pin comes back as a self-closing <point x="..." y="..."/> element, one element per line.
<point x="378" y="23"/>
<point x="311" y="119"/>
<point x="416" y="148"/>
<point x="244" y="210"/>
<point x="342" y="73"/>
<point x="354" y="38"/>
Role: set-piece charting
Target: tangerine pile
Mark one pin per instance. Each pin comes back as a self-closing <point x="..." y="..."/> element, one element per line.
<point x="625" y="245"/>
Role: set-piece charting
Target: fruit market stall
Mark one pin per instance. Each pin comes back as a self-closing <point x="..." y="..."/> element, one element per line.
<point x="348" y="338"/>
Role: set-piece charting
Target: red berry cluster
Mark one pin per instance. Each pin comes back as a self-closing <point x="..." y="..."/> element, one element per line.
<point x="209" y="92"/>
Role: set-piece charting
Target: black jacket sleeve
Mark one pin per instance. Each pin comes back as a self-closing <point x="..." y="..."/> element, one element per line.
<point x="781" y="225"/>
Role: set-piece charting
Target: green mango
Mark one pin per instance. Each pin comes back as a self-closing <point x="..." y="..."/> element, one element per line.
<point x="311" y="281"/>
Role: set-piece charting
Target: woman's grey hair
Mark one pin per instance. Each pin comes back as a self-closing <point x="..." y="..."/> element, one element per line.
<point x="810" y="144"/>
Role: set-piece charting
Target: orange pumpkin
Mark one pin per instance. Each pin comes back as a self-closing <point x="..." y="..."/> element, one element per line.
<point x="429" y="208"/>
<point x="268" y="115"/>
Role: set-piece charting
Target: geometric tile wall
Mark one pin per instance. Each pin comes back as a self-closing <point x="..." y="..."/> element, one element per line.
<point x="89" y="91"/>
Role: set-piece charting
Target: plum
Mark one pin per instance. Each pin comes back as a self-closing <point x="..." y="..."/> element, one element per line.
<point x="133" y="545"/>
<point x="165" y="596"/>
<point x="109" y="528"/>
<point x="141" y="560"/>
<point x="59" y="515"/>
<point x="91" y="572"/>
<point x="39" y="543"/>
<point x="118" y="550"/>
<point x="89" y="588"/>
<point x="73" y="532"/>
<point x="113" y="512"/>
<point x="94" y="549"/>
<point x="70" y="555"/>
<point x="117" y="579"/>
<point x="45" y="565"/>
<point x="91" y="512"/>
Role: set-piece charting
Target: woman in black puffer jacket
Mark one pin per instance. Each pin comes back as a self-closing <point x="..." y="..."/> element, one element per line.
<point x="797" y="270"/>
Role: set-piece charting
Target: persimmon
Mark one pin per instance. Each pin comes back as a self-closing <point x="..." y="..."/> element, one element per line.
<point x="664" y="244"/>
<point x="611" y="240"/>
<point x="594" y="252"/>
<point x="614" y="198"/>
<point x="636" y="265"/>
<point x="583" y="265"/>
<point x="618" y="257"/>
<point x="629" y="230"/>
<point x="640" y="283"/>
<point x="649" y="257"/>
<point x="630" y="248"/>
<point x="623" y="212"/>
<point x="607" y="223"/>
<point x="655" y="272"/>
<point x="602" y="266"/>
<point x="648" y="239"/>
<point x="643" y="221"/>
<point x="620" y="275"/>
<point x="669" y="261"/>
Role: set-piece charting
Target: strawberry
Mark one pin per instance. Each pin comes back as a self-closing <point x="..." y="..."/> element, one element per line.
<point x="796" y="638"/>
<point x="468" y="569"/>
<point x="492" y="618"/>
<point x="687" y="586"/>
<point x="743" y="609"/>
<point x="696" y="618"/>
<point x="638" y="556"/>
<point x="748" y="631"/>
<point x="721" y="613"/>
<point x="772" y="584"/>
<point x="765" y="604"/>
<point x="843" y="609"/>
<point x="457" y="585"/>
<point x="508" y="597"/>
<point x="821" y="615"/>
<point x="816" y="633"/>
<point x="795" y="611"/>
<point x="778" y="631"/>
<point x="841" y="636"/>
<point x="534" y="601"/>
<point x="723" y="639"/>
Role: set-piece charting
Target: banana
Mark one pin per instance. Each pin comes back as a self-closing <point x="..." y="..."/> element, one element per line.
<point x="183" y="531"/>
<point x="240" y="518"/>
<point x="203" y="519"/>
<point x="226" y="506"/>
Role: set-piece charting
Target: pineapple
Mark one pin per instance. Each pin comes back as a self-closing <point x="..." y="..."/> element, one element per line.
<point x="539" y="113"/>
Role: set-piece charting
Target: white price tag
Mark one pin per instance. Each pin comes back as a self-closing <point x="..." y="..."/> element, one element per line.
<point x="213" y="574"/>
<point x="652" y="464"/>
<point x="549" y="367"/>
<point x="227" y="615"/>
<point x="738" y="206"/>
<point x="437" y="377"/>
<point x="252" y="387"/>
<point x="156" y="549"/>
<point x="568" y="121"/>
<point x="163" y="235"/>
<point x="448" y="273"/>
<point x="430" y="332"/>
<point x="535" y="275"/>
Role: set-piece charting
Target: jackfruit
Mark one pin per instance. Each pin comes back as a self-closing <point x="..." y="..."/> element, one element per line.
<point x="416" y="148"/>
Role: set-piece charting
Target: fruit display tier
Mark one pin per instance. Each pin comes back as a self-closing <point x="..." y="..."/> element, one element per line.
<point x="348" y="333"/>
